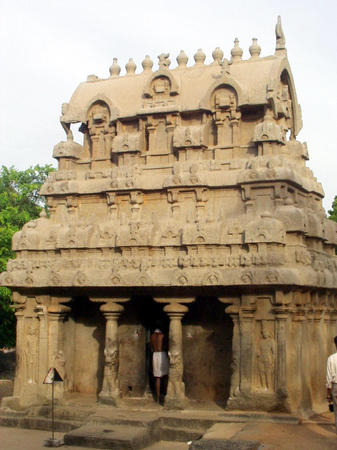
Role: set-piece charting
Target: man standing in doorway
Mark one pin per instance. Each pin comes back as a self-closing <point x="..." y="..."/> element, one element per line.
<point x="331" y="380"/>
<point x="160" y="363"/>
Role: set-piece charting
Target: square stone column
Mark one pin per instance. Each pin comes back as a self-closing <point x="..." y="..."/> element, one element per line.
<point x="175" y="397"/>
<point x="57" y="314"/>
<point x="110" y="392"/>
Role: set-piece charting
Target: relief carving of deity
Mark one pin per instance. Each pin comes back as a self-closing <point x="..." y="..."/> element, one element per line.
<point x="111" y="364"/>
<point x="30" y="352"/>
<point x="266" y="358"/>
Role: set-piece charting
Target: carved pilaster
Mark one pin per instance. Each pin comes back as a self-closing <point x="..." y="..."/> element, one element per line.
<point x="42" y="315"/>
<point x="19" y="303"/>
<point x="26" y="387"/>
<point x="57" y="314"/>
<point x="175" y="397"/>
<point x="110" y="392"/>
<point x="246" y="333"/>
<point x="233" y="311"/>
<point x="281" y="314"/>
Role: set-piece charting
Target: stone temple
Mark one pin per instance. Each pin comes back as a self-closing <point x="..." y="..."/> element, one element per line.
<point x="189" y="201"/>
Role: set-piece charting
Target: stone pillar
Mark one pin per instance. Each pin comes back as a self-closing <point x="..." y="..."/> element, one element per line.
<point x="246" y="353"/>
<point x="299" y="372"/>
<point x="26" y="387"/>
<point x="19" y="370"/>
<point x="281" y="314"/>
<point x="175" y="397"/>
<point x="57" y="314"/>
<point x="233" y="312"/>
<point x="110" y="392"/>
<point x="43" y="341"/>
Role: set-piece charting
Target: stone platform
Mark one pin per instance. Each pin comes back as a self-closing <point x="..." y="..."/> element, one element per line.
<point x="139" y="424"/>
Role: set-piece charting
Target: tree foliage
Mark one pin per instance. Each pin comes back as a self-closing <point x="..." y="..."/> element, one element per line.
<point x="333" y="212"/>
<point x="19" y="202"/>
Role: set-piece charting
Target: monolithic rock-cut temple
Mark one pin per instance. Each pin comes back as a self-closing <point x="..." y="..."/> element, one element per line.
<point x="189" y="201"/>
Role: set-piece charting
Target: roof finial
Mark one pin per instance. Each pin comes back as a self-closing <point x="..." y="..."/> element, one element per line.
<point x="130" y="67"/>
<point x="217" y="55"/>
<point x="254" y="49"/>
<point x="236" y="51"/>
<point x="182" y="59"/>
<point x="147" y="63"/>
<point x="199" y="57"/>
<point x="280" y="38"/>
<point x="114" y="68"/>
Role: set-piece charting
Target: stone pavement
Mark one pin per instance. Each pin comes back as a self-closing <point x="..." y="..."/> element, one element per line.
<point x="21" y="439"/>
<point x="317" y="434"/>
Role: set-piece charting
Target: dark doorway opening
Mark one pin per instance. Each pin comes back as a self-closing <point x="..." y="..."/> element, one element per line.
<point x="139" y="320"/>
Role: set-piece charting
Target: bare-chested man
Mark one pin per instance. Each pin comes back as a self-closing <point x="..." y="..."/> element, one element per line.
<point x="160" y="363"/>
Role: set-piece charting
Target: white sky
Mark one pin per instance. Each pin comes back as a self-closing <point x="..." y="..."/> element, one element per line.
<point x="48" y="47"/>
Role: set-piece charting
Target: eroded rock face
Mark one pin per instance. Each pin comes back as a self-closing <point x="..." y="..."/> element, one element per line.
<point x="190" y="182"/>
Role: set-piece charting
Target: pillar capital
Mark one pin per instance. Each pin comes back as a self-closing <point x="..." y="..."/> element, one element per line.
<point x="174" y="300"/>
<point x="58" y="311"/>
<point x="111" y="310"/>
<point x="109" y="299"/>
<point x="175" y="310"/>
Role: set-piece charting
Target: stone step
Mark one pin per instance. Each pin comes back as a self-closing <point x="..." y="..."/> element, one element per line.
<point x="187" y="422"/>
<point x="38" y="423"/>
<point x="180" y="434"/>
<point x="110" y="436"/>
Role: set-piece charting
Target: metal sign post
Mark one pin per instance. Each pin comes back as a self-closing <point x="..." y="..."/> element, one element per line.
<point x="52" y="377"/>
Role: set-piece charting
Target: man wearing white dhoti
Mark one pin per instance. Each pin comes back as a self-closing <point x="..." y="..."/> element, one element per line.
<point x="160" y="362"/>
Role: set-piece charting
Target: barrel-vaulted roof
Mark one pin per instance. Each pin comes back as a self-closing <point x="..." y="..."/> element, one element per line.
<point x="255" y="81"/>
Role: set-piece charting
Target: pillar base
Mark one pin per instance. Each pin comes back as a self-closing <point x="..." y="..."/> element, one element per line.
<point x="107" y="399"/>
<point x="175" y="397"/>
<point x="175" y="403"/>
<point x="258" y="401"/>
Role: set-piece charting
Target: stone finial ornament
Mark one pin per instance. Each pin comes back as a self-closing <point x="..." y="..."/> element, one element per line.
<point x="114" y="69"/>
<point x="182" y="59"/>
<point x="92" y="77"/>
<point x="280" y="38"/>
<point x="254" y="49"/>
<point x="147" y="63"/>
<point x="130" y="67"/>
<point x="236" y="51"/>
<point x="217" y="55"/>
<point x="164" y="61"/>
<point x="199" y="57"/>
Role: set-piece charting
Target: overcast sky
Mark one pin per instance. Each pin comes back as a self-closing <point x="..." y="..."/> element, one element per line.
<point x="48" y="47"/>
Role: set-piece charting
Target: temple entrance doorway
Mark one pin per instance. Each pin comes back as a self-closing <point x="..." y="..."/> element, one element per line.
<point x="207" y="350"/>
<point x="139" y="320"/>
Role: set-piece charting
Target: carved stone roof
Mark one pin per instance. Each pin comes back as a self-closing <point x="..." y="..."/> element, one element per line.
<point x="255" y="81"/>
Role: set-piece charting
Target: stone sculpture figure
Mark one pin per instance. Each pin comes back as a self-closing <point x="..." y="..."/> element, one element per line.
<point x="176" y="388"/>
<point x="266" y="359"/>
<point x="31" y="353"/>
<point x="110" y="383"/>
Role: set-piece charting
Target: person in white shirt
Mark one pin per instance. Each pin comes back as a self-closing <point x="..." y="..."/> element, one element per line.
<point x="331" y="380"/>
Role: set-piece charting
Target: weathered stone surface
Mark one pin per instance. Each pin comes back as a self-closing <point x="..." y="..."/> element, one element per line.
<point x="190" y="187"/>
<point x="220" y="444"/>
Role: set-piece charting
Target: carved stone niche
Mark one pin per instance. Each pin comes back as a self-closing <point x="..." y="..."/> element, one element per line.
<point x="190" y="136"/>
<point x="125" y="148"/>
<point x="100" y="133"/>
<point x="160" y="90"/>
<point x="67" y="153"/>
<point x="226" y="116"/>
